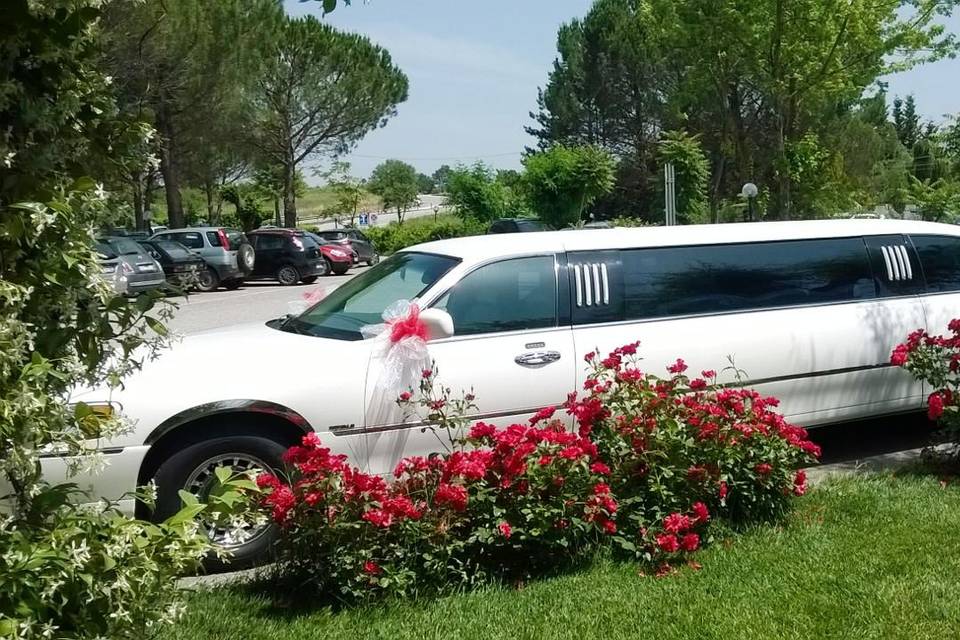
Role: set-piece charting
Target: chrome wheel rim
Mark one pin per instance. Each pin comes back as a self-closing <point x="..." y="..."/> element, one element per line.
<point x="202" y="481"/>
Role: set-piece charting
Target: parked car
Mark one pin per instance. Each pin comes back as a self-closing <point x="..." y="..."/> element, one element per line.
<point x="292" y="256"/>
<point x="136" y="270"/>
<point x="180" y="265"/>
<point x="356" y="242"/>
<point x="809" y="311"/>
<point x="227" y="254"/>
<point x="516" y="225"/>
<point x="109" y="265"/>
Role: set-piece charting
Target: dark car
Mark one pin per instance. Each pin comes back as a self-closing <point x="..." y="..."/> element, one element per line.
<point x="292" y="256"/>
<point x="181" y="266"/>
<point x="354" y="241"/>
<point x="517" y="225"/>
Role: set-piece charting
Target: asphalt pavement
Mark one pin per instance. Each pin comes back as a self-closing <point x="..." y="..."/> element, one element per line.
<point x="255" y="301"/>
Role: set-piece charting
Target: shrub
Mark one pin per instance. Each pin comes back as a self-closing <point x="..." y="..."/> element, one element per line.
<point x="395" y="237"/>
<point x="936" y="361"/>
<point x="652" y="463"/>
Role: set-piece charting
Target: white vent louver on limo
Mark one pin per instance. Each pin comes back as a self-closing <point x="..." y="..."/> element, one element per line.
<point x="592" y="284"/>
<point x="898" y="262"/>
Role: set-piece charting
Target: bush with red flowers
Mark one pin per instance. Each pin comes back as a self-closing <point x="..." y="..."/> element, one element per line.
<point x="651" y="463"/>
<point x="936" y="361"/>
<point x="682" y="450"/>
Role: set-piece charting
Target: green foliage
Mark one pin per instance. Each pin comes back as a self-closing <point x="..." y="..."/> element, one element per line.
<point x="692" y="174"/>
<point x="753" y="81"/>
<point x="425" y="184"/>
<point x="440" y="177"/>
<point x="322" y="91"/>
<point x="397" y="185"/>
<point x="937" y="201"/>
<point x="563" y="181"/>
<point x="248" y="205"/>
<point x="394" y="237"/>
<point x="906" y="121"/>
<point x="476" y="194"/>
<point x="348" y="192"/>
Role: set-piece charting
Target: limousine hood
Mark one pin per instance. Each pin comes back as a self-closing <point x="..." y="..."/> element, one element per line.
<point x="245" y="362"/>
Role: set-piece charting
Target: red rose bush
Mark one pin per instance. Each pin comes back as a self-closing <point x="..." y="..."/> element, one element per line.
<point x="936" y="361"/>
<point x="650" y="463"/>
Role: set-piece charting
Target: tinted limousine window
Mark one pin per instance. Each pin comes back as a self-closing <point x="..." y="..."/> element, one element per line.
<point x="675" y="281"/>
<point x="940" y="258"/>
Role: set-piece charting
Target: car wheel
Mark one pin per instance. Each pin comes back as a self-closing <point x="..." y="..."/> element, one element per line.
<point x="246" y="258"/>
<point x="193" y="470"/>
<point x="340" y="269"/>
<point x="324" y="268"/>
<point x="288" y="275"/>
<point x="309" y="280"/>
<point x="231" y="285"/>
<point x="208" y="280"/>
<point x="373" y="260"/>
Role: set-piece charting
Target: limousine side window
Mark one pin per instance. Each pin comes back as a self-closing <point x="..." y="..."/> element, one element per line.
<point x="940" y="259"/>
<point x="676" y="281"/>
<point x="510" y="295"/>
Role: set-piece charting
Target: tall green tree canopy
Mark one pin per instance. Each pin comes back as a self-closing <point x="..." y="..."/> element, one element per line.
<point x="396" y="183"/>
<point x="321" y="92"/>
<point x="475" y="193"/>
<point x="562" y="182"/>
<point x="753" y="79"/>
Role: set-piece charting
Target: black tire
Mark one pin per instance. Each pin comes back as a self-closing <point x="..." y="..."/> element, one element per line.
<point x="231" y="285"/>
<point x="340" y="269"/>
<point x="180" y="471"/>
<point x="309" y="280"/>
<point x="246" y="258"/>
<point x="288" y="275"/>
<point x="373" y="260"/>
<point x="207" y="280"/>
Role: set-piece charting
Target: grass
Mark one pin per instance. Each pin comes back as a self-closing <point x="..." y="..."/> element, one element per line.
<point x="870" y="557"/>
<point x="316" y="200"/>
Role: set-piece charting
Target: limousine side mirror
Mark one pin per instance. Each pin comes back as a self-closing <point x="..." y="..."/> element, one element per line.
<point x="438" y="322"/>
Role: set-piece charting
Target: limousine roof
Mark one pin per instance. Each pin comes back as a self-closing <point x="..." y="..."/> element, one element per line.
<point x="507" y="244"/>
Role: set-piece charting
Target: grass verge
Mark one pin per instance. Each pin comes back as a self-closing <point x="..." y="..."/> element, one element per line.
<point x="860" y="557"/>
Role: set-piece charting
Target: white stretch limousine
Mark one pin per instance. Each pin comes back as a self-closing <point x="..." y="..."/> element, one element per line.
<point x="808" y="310"/>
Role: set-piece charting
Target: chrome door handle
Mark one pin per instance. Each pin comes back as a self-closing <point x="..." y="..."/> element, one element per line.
<point x="537" y="358"/>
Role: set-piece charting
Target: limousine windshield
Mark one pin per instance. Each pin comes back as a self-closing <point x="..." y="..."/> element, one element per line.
<point x="361" y="301"/>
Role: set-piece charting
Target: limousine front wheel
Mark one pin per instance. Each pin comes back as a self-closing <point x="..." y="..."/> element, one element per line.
<point x="193" y="470"/>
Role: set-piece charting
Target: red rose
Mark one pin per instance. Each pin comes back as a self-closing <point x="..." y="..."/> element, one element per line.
<point x="600" y="469"/>
<point x="677" y="367"/>
<point x="545" y="460"/>
<point x="453" y="495"/>
<point x="313" y="498"/>
<point x="426" y="373"/>
<point x="763" y="469"/>
<point x="709" y="374"/>
<point x="482" y="430"/>
<point x="505" y="529"/>
<point x="690" y="542"/>
<point x="405" y="396"/>
<point x="267" y="480"/>
<point x="935" y="405"/>
<point x="371" y="568"/>
<point x="676" y="523"/>
<point x="668" y="543"/>
<point x="544" y="414"/>
<point x="590" y="356"/>
<point x="722" y="492"/>
<point x="700" y="512"/>
<point x="698" y="384"/>
<point x="800" y="483"/>
<point x="378" y="518"/>
<point x="609" y="527"/>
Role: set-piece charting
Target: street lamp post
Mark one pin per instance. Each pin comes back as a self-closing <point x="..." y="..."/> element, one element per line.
<point x="750" y="192"/>
<point x="436" y="210"/>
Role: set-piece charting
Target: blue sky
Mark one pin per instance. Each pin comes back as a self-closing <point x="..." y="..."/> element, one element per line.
<point x="474" y="69"/>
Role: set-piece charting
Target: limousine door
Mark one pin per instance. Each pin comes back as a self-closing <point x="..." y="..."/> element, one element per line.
<point x="512" y="349"/>
<point x="802" y="320"/>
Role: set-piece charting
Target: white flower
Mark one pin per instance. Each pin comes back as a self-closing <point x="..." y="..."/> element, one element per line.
<point x="100" y="193"/>
<point x="8" y="159"/>
<point x="48" y="629"/>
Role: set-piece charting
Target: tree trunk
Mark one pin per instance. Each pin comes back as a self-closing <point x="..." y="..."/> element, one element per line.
<point x="139" y="223"/>
<point x="399" y="215"/>
<point x="289" y="195"/>
<point x="212" y="217"/>
<point x="171" y="180"/>
<point x="276" y="211"/>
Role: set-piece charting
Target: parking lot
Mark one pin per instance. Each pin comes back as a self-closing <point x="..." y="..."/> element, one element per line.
<point x="256" y="301"/>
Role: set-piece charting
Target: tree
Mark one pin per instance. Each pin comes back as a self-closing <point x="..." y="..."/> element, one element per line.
<point x="347" y="190"/>
<point x="425" y="183"/>
<point x="440" y="177"/>
<point x="692" y="172"/>
<point x="563" y="181"/>
<point x="182" y="66"/>
<point x="906" y="121"/>
<point x="475" y="193"/>
<point x="322" y="91"/>
<point x="396" y="184"/>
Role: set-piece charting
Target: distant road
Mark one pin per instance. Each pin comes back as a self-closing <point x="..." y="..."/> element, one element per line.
<point x="383" y="217"/>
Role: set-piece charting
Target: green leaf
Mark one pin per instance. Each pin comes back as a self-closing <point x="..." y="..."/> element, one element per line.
<point x="108" y="562"/>
<point x="8" y="626"/>
<point x="185" y="515"/>
<point x="84" y="183"/>
<point x="223" y="474"/>
<point x="329" y="6"/>
<point x="158" y="327"/>
<point x="188" y="498"/>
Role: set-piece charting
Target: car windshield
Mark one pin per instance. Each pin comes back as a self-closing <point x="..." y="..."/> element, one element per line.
<point x="105" y="250"/>
<point x="124" y="247"/>
<point x="361" y="301"/>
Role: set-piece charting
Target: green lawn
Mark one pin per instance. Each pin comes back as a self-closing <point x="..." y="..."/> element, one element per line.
<point x="875" y="557"/>
<point x="317" y="199"/>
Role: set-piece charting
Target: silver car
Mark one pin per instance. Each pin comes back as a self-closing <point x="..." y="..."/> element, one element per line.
<point x="130" y="266"/>
<point x="228" y="255"/>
